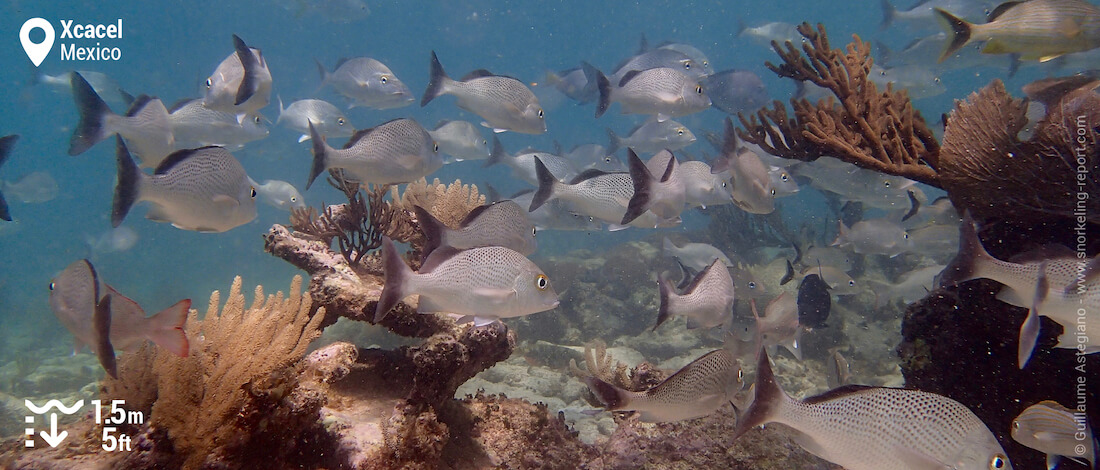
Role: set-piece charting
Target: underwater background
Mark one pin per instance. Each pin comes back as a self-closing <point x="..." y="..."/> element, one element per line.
<point x="169" y="48"/>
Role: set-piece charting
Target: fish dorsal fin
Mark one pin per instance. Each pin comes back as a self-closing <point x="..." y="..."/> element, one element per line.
<point x="479" y="73"/>
<point x="1050" y="91"/>
<point x="1000" y="10"/>
<point x="670" y="168"/>
<point x="729" y="140"/>
<point x="438" y="257"/>
<point x="176" y="157"/>
<point x="628" y="76"/>
<point x="138" y="103"/>
<point x="359" y="134"/>
<point x="177" y="105"/>
<point x="340" y="62"/>
<point x="1043" y="253"/>
<point x="587" y="175"/>
<point x="837" y="393"/>
<point x="690" y="287"/>
<point x="474" y="214"/>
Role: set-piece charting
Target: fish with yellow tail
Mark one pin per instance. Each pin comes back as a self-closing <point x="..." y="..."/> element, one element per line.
<point x="1035" y="29"/>
<point x="876" y="428"/>
<point x="698" y="389"/>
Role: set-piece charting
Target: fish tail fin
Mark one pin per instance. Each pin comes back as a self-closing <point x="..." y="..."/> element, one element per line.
<point x="768" y="401"/>
<point x="320" y="154"/>
<point x="126" y="189"/>
<point x="841" y="233"/>
<point x="666" y="290"/>
<point x="969" y="257"/>
<point x="612" y="397"/>
<point x="879" y="288"/>
<point x="93" y="113"/>
<point x="958" y="32"/>
<point x="758" y="332"/>
<point x="643" y="188"/>
<point x="547" y="181"/>
<point x="889" y="14"/>
<point x="1029" y="330"/>
<point x="249" y="80"/>
<point x="104" y="350"/>
<point x="604" y="87"/>
<point x="614" y="142"/>
<point x="432" y="228"/>
<point x="397" y="275"/>
<point x="6" y="144"/>
<point x="436" y="81"/>
<point x="322" y="71"/>
<point x="496" y="155"/>
<point x="281" y="109"/>
<point x="166" y="328"/>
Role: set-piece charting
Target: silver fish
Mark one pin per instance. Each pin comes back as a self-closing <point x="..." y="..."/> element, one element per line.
<point x="652" y="136"/>
<point x="1034" y="30"/>
<point x="750" y="183"/>
<point x="706" y="302"/>
<point x="911" y="286"/>
<point x="574" y="83"/>
<point x="203" y="189"/>
<point x="736" y="91"/>
<point x="483" y="284"/>
<point x="328" y="120"/>
<point x="938" y="242"/>
<point x="839" y="372"/>
<point x="555" y="215"/>
<point x="594" y="193"/>
<point x="873" y="237"/>
<point x="195" y="125"/>
<point x="1052" y="287"/>
<point x="505" y="103"/>
<point x="658" y="58"/>
<point x="828" y="256"/>
<point x="1057" y="431"/>
<point x="853" y="183"/>
<point x="695" y="256"/>
<point x="840" y="283"/>
<point x="779" y="326"/>
<point x="104" y="86"/>
<point x="367" y="82"/>
<point x="279" y="194"/>
<point x="939" y="212"/>
<point x="703" y="187"/>
<point x="145" y="126"/>
<point x="875" y="428"/>
<point x="775" y="31"/>
<point x="241" y="84"/>
<point x="692" y="52"/>
<point x="698" y="389"/>
<point x="32" y="188"/>
<point x="661" y="193"/>
<point x="918" y="80"/>
<point x="593" y="157"/>
<point x="504" y="224"/>
<point x="461" y="140"/>
<point x="664" y="92"/>
<point x="523" y="163"/>
<point x="922" y="15"/>
<point x="782" y="182"/>
<point x="75" y="295"/>
<point x="397" y="151"/>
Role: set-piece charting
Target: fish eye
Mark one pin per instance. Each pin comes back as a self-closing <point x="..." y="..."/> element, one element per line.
<point x="542" y="282"/>
<point x="852" y="283"/>
<point x="773" y="191"/>
<point x="293" y="198"/>
<point x="724" y="184"/>
<point x="256" y="119"/>
<point x="706" y="64"/>
<point x="699" y="89"/>
<point x="752" y="284"/>
<point x="53" y="285"/>
<point x="687" y="65"/>
<point x="209" y="83"/>
<point x="1015" y="424"/>
<point x="906" y="236"/>
<point x="436" y="148"/>
<point x="740" y="375"/>
<point x="886" y="183"/>
<point x="998" y="461"/>
<point x="340" y="121"/>
<point x="784" y="177"/>
<point x="253" y="192"/>
<point x="607" y="159"/>
<point x="540" y="113"/>
<point x="384" y="79"/>
<point x="534" y="230"/>
<point x="680" y="132"/>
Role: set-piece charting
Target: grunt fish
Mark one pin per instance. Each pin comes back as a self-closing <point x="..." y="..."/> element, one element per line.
<point x="241" y="84"/>
<point x="279" y="194"/>
<point x="505" y="103"/>
<point x="873" y="237"/>
<point x="461" y="140"/>
<point x="778" y="327"/>
<point x="1035" y="29"/>
<point x="652" y="136"/>
<point x="663" y="92"/>
<point x="504" y="224"/>
<point x="398" y="151"/>
<point x="367" y="82"/>
<point x="1057" y="431"/>
<point x="328" y="120"/>
<point x="706" y="302"/>
<point x="194" y="125"/>
<point x="145" y="126"/>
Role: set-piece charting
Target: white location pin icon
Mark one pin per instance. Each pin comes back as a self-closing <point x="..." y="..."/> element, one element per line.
<point x="36" y="52"/>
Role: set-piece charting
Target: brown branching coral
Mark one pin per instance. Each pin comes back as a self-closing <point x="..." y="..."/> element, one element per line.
<point x="988" y="171"/>
<point x="874" y="129"/>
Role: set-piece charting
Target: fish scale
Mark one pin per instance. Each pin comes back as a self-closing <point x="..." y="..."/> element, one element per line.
<point x="397" y="151"/>
<point x="604" y="197"/>
<point x="660" y="90"/>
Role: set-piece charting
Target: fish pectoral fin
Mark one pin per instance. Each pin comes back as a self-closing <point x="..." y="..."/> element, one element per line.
<point x="303" y="138"/>
<point x="224" y="200"/>
<point x="495" y="296"/>
<point x="409" y="162"/>
<point x="1048" y="58"/>
<point x="995" y="47"/>
<point x="915" y="459"/>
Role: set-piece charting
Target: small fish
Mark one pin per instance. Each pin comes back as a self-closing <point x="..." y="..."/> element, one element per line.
<point x="32" y="188"/>
<point x="692" y="52"/>
<point x="367" y="82"/>
<point x="853" y="183"/>
<point x="115" y="240"/>
<point x="145" y="126"/>
<point x="594" y="193"/>
<point x="778" y="327"/>
<point x="593" y="157"/>
<point x="504" y="224"/>
<point x="195" y="125"/>
<point x="814" y="302"/>
<point x="695" y="256"/>
<point x="923" y="15"/>
<point x="783" y="184"/>
<point x="241" y="84"/>
<point x="875" y="236"/>
<point x="1035" y="30"/>
<point x="1048" y="286"/>
<point x="828" y="256"/>
<point x="706" y="302"/>
<point x="505" y="103"/>
<point x="555" y="215"/>
<point x="911" y="286"/>
<point x="203" y="189"/>
<point x="876" y="428"/>
<point x="483" y="284"/>
<point x="660" y="193"/>
<point x="703" y="187"/>
<point x="104" y="86"/>
<point x="279" y="194"/>
<point x="6" y="144"/>
<point x="664" y="92"/>
<point x="918" y="80"/>
<point x="88" y="307"/>
<point x="1057" y="431"/>
<point x="652" y="136"/>
<point x="574" y="83"/>
<point x="839" y="373"/>
<point x="775" y="31"/>
<point x="749" y="179"/>
<point x="328" y="120"/>
<point x="935" y="241"/>
<point x="698" y="389"/>
<point x="658" y="58"/>
<point x="523" y="163"/>
<point x="461" y="140"/>
<point x="736" y="91"/>
<point x="840" y="283"/>
<point x="398" y="151"/>
<point x="939" y="212"/>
